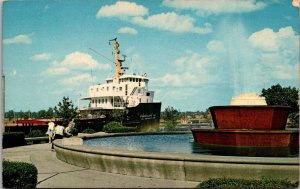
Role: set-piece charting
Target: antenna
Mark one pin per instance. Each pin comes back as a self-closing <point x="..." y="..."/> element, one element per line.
<point x="101" y="55"/>
<point x="115" y="39"/>
<point x="124" y="56"/>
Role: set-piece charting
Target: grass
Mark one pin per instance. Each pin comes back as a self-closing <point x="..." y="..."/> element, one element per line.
<point x="251" y="183"/>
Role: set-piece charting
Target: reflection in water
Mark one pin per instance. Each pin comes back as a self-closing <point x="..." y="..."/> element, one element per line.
<point x="245" y="151"/>
<point x="183" y="143"/>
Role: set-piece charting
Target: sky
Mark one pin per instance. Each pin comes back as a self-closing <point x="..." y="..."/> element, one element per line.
<point x="196" y="53"/>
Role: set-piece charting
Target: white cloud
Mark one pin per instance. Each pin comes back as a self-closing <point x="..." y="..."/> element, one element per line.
<point x="128" y="30"/>
<point x="135" y="14"/>
<point x="18" y="39"/>
<point x="265" y="39"/>
<point x="206" y="7"/>
<point x="181" y="79"/>
<point x="216" y="46"/>
<point x="57" y="70"/>
<point x="79" y="60"/>
<point x="76" y="61"/>
<point x="276" y="54"/>
<point x="189" y="70"/>
<point x="122" y="9"/>
<point x="77" y="79"/>
<point x="268" y="40"/>
<point x="41" y="57"/>
<point x="172" y="22"/>
<point x="296" y="3"/>
<point x="232" y="59"/>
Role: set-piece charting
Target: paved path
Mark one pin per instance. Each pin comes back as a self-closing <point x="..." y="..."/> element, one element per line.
<point x="53" y="173"/>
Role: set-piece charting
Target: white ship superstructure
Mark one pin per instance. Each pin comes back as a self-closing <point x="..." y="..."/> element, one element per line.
<point x="120" y="91"/>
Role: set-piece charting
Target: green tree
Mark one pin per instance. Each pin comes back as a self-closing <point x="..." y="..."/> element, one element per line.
<point x="284" y="96"/>
<point x="170" y="115"/>
<point x="21" y="115"/>
<point x="27" y="114"/>
<point x="42" y="114"/>
<point x="66" y="110"/>
<point x="50" y="113"/>
<point x="34" y="115"/>
<point x="10" y="115"/>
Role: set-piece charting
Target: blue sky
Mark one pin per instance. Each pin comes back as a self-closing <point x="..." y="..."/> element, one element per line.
<point x="197" y="54"/>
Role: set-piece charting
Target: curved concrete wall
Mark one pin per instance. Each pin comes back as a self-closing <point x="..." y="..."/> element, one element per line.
<point x="189" y="167"/>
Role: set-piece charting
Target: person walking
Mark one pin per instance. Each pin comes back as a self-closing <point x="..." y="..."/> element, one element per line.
<point x="58" y="134"/>
<point x="50" y="131"/>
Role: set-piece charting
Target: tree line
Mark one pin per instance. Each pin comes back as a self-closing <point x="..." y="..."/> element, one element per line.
<point x="275" y="95"/>
<point x="64" y="110"/>
<point x="42" y="114"/>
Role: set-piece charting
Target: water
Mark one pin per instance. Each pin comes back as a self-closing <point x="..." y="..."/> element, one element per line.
<point x="183" y="143"/>
<point x="149" y="143"/>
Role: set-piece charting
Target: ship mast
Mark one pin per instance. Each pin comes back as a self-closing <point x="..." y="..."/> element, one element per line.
<point x="118" y="62"/>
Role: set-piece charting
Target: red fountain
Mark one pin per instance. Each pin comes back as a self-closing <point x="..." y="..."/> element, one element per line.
<point x="248" y="126"/>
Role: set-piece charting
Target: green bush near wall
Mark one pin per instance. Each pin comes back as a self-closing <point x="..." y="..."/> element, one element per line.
<point x="243" y="183"/>
<point x="12" y="139"/>
<point x="36" y="133"/>
<point x="116" y="127"/>
<point x="19" y="175"/>
<point x="89" y="131"/>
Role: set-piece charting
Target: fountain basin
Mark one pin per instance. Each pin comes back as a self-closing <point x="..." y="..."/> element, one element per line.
<point x="247" y="138"/>
<point x="257" y="117"/>
<point x="177" y="166"/>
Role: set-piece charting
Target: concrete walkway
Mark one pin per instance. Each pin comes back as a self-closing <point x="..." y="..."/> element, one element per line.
<point x="53" y="173"/>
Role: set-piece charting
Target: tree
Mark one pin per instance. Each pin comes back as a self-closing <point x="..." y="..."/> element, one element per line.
<point x="66" y="111"/>
<point x="27" y="114"/>
<point x="50" y="113"/>
<point x="21" y="115"/>
<point x="42" y="114"/>
<point x="10" y="115"/>
<point x="284" y="96"/>
<point x="170" y="115"/>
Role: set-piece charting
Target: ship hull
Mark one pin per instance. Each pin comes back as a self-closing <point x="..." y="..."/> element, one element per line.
<point x="144" y="116"/>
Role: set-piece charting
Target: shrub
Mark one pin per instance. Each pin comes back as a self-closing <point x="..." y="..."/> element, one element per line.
<point x="74" y="131"/>
<point x="243" y="183"/>
<point x="123" y="130"/>
<point x="116" y="127"/>
<point x="19" y="175"/>
<point x="36" y="133"/>
<point x="170" y="127"/>
<point x="12" y="139"/>
<point x="89" y="131"/>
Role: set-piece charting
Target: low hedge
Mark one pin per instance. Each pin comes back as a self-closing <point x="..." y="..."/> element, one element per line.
<point x="89" y="131"/>
<point x="116" y="127"/>
<point x="36" y="133"/>
<point x="19" y="175"/>
<point x="243" y="183"/>
<point x="12" y="139"/>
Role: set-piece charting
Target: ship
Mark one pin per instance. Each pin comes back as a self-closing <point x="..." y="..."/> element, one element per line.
<point x="123" y="97"/>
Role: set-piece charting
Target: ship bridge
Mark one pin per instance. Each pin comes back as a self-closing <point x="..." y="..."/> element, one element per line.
<point x="121" y="90"/>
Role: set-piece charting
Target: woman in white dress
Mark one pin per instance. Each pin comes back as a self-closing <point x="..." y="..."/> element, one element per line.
<point x="51" y="131"/>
